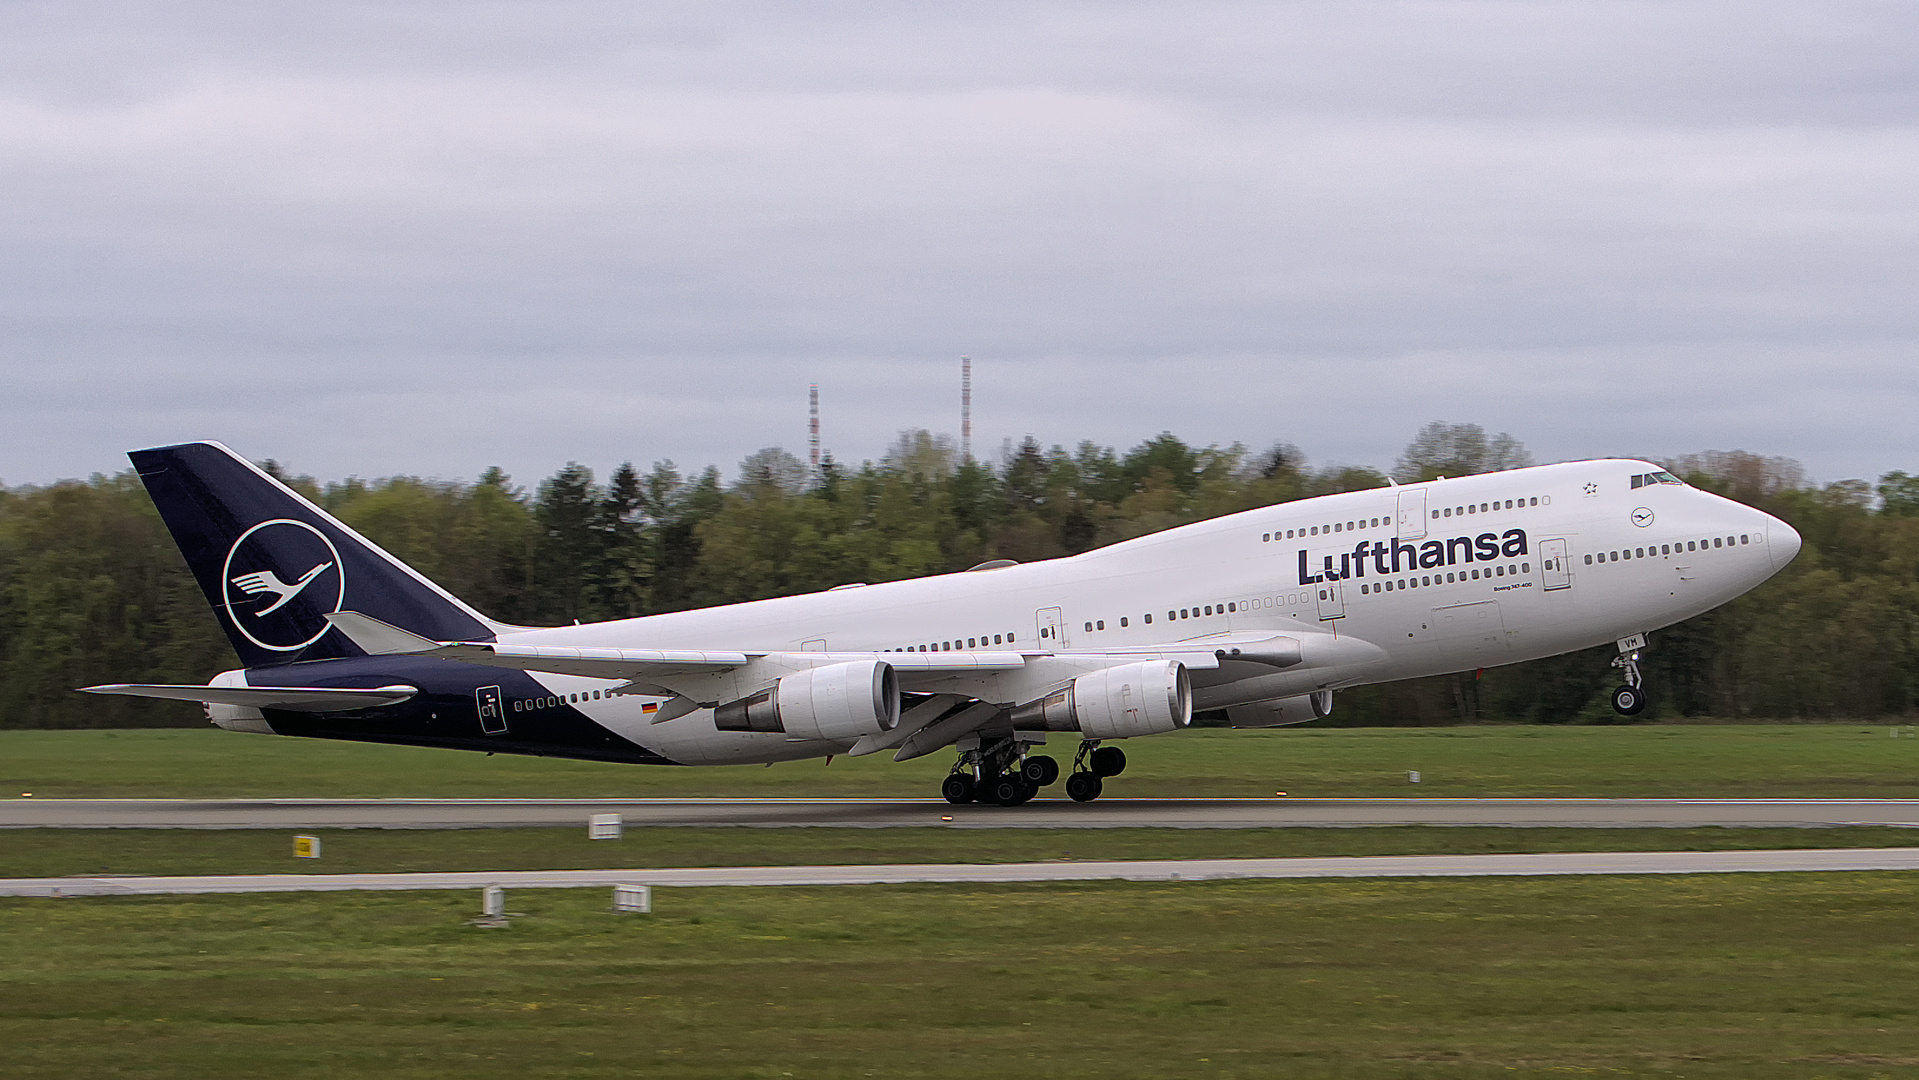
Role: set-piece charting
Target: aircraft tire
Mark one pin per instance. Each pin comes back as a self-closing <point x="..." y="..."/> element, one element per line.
<point x="958" y="788"/>
<point x="1040" y="771"/>
<point x="1009" y="790"/>
<point x="1083" y="787"/>
<point x="1628" y="701"/>
<point x="1108" y="761"/>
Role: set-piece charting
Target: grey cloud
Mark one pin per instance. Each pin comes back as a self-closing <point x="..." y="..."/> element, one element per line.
<point x="410" y="238"/>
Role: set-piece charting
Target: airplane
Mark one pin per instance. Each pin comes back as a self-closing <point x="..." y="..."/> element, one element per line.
<point x="1263" y="614"/>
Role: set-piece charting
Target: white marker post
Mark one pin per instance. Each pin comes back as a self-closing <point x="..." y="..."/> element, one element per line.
<point x="493" y="902"/>
<point x="604" y="827"/>
<point x="632" y="899"/>
<point x="1412" y="777"/>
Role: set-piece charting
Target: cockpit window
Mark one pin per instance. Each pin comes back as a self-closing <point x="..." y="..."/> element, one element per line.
<point x="1660" y="477"/>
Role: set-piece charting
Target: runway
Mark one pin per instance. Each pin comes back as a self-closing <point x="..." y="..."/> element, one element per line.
<point x="897" y="813"/>
<point x="1565" y="863"/>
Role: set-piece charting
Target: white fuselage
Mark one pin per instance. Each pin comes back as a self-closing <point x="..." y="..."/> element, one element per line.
<point x="1513" y="566"/>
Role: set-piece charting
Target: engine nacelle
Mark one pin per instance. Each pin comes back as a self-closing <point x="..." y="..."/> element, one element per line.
<point x="837" y="702"/>
<point x="1279" y="712"/>
<point x="1116" y="703"/>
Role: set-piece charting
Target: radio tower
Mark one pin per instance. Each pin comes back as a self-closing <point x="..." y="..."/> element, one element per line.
<point x="966" y="408"/>
<point x="813" y="425"/>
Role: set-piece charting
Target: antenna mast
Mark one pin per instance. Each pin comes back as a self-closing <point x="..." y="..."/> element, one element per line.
<point x="813" y="424"/>
<point x="966" y="408"/>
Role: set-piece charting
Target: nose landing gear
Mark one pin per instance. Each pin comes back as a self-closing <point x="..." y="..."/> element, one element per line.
<point x="1630" y="699"/>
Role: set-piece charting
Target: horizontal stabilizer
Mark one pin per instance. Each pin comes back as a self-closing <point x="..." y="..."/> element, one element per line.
<point x="292" y="698"/>
<point x="376" y="638"/>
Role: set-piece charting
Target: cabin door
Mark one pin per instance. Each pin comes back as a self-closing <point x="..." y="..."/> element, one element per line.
<point x="1052" y="628"/>
<point x="1553" y="571"/>
<point x="1412" y="514"/>
<point x="492" y="710"/>
<point x="1332" y="601"/>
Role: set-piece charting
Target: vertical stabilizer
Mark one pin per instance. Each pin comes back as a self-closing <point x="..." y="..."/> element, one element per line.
<point x="274" y="566"/>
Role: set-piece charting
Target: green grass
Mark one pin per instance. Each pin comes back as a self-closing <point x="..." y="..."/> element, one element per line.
<point x="1809" y="761"/>
<point x="80" y="852"/>
<point x="1730" y="976"/>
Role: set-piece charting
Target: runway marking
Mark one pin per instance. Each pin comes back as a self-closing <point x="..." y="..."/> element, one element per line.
<point x="1817" y="860"/>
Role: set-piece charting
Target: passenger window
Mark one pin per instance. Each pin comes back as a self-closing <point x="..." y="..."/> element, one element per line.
<point x="1336" y="527"/>
<point x="1149" y="618"/>
<point x="1449" y="511"/>
<point x="1589" y="560"/>
<point x="1314" y="530"/>
<point x="1435" y="513"/>
<point x="1101" y="624"/>
<point x="1526" y="568"/>
<point x="1715" y="541"/>
<point x="1122" y="622"/>
<point x="1742" y="538"/>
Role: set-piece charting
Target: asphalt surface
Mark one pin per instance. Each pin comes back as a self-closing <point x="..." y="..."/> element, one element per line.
<point x="877" y="813"/>
<point x="1564" y="863"/>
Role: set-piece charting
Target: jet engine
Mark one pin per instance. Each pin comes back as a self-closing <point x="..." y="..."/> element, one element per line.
<point x="1279" y="712"/>
<point x="837" y="702"/>
<point x="1115" y="703"/>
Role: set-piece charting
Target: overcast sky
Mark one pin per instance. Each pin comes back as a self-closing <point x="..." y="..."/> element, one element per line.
<point x="378" y="238"/>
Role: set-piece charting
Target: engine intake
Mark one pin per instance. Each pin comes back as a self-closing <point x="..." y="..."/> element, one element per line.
<point x="1116" y="703"/>
<point x="837" y="702"/>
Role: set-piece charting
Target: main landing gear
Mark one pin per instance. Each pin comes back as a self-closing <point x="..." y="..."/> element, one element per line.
<point x="1630" y="699"/>
<point x="1001" y="771"/>
<point x="998" y="771"/>
<point x="1092" y="764"/>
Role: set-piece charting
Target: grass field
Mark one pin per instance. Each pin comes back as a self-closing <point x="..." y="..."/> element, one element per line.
<point x="1733" y="976"/>
<point x="1811" y="761"/>
<point x="1730" y="976"/>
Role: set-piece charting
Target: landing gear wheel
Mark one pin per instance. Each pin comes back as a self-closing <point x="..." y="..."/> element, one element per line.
<point x="1039" y="771"/>
<point x="1083" y="787"/>
<point x="958" y="788"/>
<point x="1009" y="791"/>
<point x="1108" y="761"/>
<point x="1628" y="701"/>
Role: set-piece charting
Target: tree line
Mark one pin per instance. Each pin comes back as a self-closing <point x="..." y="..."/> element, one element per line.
<point x="92" y="589"/>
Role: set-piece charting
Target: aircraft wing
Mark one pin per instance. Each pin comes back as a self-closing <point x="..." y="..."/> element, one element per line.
<point x="293" y="698"/>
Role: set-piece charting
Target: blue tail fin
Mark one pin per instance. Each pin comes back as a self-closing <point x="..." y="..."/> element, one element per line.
<point x="273" y="565"/>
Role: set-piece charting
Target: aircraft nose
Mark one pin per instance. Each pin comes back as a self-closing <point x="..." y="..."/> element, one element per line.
<point x="1782" y="542"/>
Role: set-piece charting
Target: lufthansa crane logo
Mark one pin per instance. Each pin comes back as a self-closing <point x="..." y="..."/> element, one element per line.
<point x="1642" y="517"/>
<point x="270" y="610"/>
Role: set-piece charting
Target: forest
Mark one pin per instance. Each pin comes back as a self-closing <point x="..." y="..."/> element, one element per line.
<point x="92" y="590"/>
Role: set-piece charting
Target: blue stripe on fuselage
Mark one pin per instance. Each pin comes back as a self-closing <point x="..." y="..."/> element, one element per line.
<point x="445" y="713"/>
